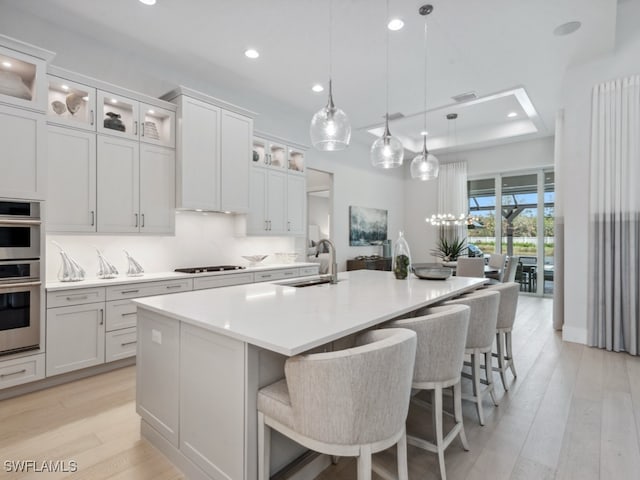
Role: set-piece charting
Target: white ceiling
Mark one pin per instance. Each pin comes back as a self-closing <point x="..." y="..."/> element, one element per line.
<point x="483" y="46"/>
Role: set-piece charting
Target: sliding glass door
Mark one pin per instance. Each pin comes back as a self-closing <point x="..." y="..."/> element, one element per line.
<point x="525" y="202"/>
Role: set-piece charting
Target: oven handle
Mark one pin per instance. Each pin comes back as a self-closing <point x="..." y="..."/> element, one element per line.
<point x="18" y="285"/>
<point x="16" y="221"/>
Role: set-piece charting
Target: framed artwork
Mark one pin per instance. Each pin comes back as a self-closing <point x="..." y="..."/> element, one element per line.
<point x="367" y="226"/>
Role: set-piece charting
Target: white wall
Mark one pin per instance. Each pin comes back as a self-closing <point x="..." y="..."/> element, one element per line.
<point x="421" y="197"/>
<point x="575" y="152"/>
<point x="355" y="181"/>
<point x="318" y="208"/>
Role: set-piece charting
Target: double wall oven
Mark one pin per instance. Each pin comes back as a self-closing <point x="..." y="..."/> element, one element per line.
<point x="20" y="279"/>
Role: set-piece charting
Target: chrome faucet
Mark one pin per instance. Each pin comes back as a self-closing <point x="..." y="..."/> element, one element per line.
<point x="332" y="250"/>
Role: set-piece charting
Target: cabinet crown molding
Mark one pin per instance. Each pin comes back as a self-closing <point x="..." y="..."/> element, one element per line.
<point x="203" y="97"/>
<point x="26" y="48"/>
<point x="275" y="138"/>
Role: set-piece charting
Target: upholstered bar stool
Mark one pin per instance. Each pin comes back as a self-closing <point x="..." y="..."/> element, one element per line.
<point x="509" y="293"/>
<point x="496" y="260"/>
<point x="442" y="335"/>
<point x="470" y="267"/>
<point x="510" y="269"/>
<point x="349" y="403"/>
<point x="482" y="328"/>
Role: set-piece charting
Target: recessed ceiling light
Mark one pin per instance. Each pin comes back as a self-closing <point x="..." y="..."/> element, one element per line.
<point x="151" y="112"/>
<point x="251" y="53"/>
<point x="566" y="28"/>
<point x="512" y="115"/>
<point x="113" y="100"/>
<point x="64" y="87"/>
<point x="317" y="88"/>
<point x="395" y="24"/>
<point x="85" y="98"/>
<point x="148" y="2"/>
<point x="6" y="64"/>
<point x="424" y="133"/>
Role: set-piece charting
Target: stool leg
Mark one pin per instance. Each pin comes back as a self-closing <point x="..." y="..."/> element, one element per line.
<point x="510" y="353"/>
<point x="489" y="374"/>
<point x="364" y="464"/>
<point x="501" y="367"/>
<point x="403" y="467"/>
<point x="457" y="413"/>
<point x="264" y="448"/>
<point x="475" y="369"/>
<point x="437" y="407"/>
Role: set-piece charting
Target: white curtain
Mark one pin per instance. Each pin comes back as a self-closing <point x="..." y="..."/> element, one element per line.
<point x="452" y="196"/>
<point x="614" y="216"/>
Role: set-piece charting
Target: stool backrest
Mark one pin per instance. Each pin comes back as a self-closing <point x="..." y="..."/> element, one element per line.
<point x="354" y="396"/>
<point x="470" y="267"/>
<point x="496" y="260"/>
<point x="483" y="316"/>
<point x="510" y="269"/>
<point x="442" y="336"/>
<point x="509" y="293"/>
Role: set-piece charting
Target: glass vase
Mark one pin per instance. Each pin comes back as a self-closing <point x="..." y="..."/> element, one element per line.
<point x="401" y="258"/>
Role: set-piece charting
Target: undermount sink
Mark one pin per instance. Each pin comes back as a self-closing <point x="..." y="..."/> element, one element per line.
<point x="310" y="282"/>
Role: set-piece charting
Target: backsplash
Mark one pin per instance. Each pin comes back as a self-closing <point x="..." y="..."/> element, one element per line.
<point x="201" y="239"/>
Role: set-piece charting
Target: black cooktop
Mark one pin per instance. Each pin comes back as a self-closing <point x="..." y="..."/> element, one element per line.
<point x="215" y="268"/>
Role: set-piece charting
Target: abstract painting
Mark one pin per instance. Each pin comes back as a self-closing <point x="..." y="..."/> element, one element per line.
<point x="367" y="226"/>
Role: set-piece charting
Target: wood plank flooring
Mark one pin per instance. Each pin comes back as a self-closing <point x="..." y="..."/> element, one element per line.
<point x="573" y="413"/>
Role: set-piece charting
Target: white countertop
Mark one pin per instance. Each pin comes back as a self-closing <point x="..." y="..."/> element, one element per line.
<point x="291" y="320"/>
<point x="153" y="277"/>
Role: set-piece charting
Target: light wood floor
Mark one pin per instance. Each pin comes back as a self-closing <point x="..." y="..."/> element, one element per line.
<point x="573" y="413"/>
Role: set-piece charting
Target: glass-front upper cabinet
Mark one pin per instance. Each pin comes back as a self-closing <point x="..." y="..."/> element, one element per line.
<point x="71" y="103"/>
<point x="268" y="154"/>
<point x="296" y="160"/>
<point x="22" y="79"/>
<point x="117" y="116"/>
<point x="260" y="147"/>
<point x="157" y="125"/>
<point x="277" y="155"/>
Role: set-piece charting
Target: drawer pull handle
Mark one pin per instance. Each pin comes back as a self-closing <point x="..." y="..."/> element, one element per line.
<point x="288" y="273"/>
<point x="125" y="292"/>
<point x="173" y="286"/>
<point x="101" y="316"/>
<point x="24" y="370"/>
<point x="266" y="276"/>
<point x="128" y="314"/>
<point x="92" y="117"/>
<point x="77" y="297"/>
<point x="128" y="343"/>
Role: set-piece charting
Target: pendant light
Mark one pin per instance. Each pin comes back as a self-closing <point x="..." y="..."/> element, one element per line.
<point x="330" y="128"/>
<point x="425" y="166"/>
<point x="387" y="151"/>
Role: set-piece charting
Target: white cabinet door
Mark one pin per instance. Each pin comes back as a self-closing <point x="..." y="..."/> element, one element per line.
<point x="118" y="185"/>
<point x="198" y="155"/>
<point x="296" y="204"/>
<point x="23" y="139"/>
<point x="236" y="138"/>
<point x="71" y="180"/>
<point x="75" y="337"/>
<point x="157" y="189"/>
<point x="276" y="202"/>
<point x="117" y="116"/>
<point x="157" y="126"/>
<point x="256" y="219"/>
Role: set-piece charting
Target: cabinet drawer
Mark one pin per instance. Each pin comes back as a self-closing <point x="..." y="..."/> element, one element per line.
<point x="21" y="370"/>
<point x="120" y="344"/>
<point x="276" y="275"/>
<point x="222" y="280"/>
<point x="120" y="314"/>
<point x="64" y="298"/>
<point x="147" y="289"/>
<point x="304" y="271"/>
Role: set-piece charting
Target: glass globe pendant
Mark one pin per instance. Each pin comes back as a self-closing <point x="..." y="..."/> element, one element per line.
<point x="425" y="166"/>
<point x="387" y="151"/>
<point x="330" y="128"/>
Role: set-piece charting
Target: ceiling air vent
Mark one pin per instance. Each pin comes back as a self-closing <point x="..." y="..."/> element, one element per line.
<point x="395" y="116"/>
<point x="465" y="97"/>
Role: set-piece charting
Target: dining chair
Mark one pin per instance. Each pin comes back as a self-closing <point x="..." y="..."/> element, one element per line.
<point x="482" y="328"/>
<point x="470" y="267"/>
<point x="510" y="269"/>
<point x="442" y="335"/>
<point x="351" y="402"/>
<point x="496" y="260"/>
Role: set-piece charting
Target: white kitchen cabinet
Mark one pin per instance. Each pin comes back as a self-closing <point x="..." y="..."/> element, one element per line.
<point x="157" y="125"/>
<point x="271" y="275"/>
<point x="296" y="204"/>
<point x="235" y="154"/>
<point x="71" y="104"/>
<point x="157" y="392"/>
<point x="23" y="140"/>
<point x="269" y="154"/>
<point x="120" y="344"/>
<point x="71" y="180"/>
<point x="257" y="216"/>
<point x="157" y="189"/>
<point x="226" y="280"/>
<point x="267" y="202"/>
<point x="21" y="370"/>
<point x="118" y="116"/>
<point x="118" y="185"/>
<point x="276" y="202"/>
<point x="75" y="337"/>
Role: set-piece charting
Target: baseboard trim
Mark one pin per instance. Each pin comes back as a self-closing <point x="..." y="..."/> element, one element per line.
<point x="574" y="334"/>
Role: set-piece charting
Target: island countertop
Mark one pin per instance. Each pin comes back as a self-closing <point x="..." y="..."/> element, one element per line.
<point x="290" y="320"/>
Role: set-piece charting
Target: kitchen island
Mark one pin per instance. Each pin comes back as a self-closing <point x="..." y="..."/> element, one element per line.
<point x="203" y="355"/>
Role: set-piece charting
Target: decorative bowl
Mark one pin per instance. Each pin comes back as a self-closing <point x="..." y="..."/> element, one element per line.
<point x="432" y="273"/>
<point x="74" y="102"/>
<point x="254" y="259"/>
<point x="58" y="107"/>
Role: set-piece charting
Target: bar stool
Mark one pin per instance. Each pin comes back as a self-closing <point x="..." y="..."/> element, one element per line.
<point x="509" y="293"/>
<point x="350" y="403"/>
<point x="482" y="327"/>
<point x="442" y="335"/>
